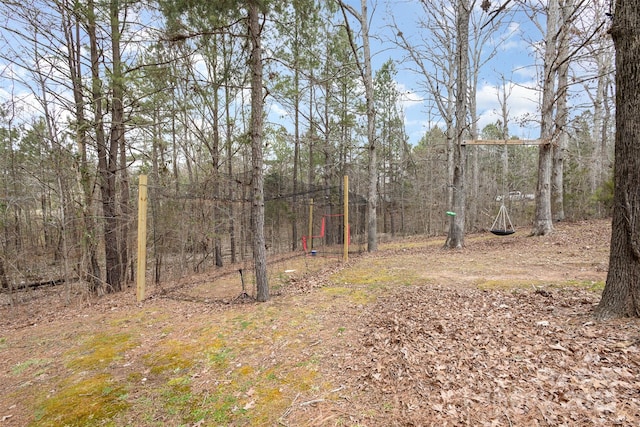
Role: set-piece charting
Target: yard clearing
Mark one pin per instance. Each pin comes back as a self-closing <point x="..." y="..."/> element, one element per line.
<point x="499" y="333"/>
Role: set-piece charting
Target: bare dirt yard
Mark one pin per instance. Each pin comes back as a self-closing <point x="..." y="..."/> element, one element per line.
<point x="497" y="334"/>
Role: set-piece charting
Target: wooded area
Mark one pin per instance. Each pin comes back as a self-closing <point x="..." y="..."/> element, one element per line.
<point x="95" y="93"/>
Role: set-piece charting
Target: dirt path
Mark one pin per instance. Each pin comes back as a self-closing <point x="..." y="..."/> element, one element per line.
<point x="496" y="334"/>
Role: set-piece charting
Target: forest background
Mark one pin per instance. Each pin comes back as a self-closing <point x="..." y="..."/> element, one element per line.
<point x="96" y="93"/>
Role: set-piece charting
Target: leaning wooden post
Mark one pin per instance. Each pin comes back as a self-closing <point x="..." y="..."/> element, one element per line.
<point x="345" y="220"/>
<point x="142" y="237"/>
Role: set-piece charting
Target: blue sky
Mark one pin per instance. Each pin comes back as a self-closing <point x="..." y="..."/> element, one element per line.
<point x="513" y="66"/>
<point x="514" y="61"/>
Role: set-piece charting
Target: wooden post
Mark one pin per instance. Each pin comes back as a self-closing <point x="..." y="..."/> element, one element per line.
<point x="142" y="238"/>
<point x="310" y="245"/>
<point x="345" y="220"/>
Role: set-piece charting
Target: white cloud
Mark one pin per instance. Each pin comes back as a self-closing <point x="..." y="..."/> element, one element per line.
<point x="408" y="98"/>
<point x="522" y="101"/>
<point x="276" y="110"/>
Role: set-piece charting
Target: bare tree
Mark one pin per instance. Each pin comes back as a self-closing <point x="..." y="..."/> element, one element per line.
<point x="257" y="111"/>
<point x="543" y="221"/>
<point x="366" y="73"/>
<point x="562" y="113"/>
<point x="455" y="238"/>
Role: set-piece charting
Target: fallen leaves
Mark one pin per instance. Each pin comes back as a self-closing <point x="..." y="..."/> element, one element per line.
<point x="467" y="356"/>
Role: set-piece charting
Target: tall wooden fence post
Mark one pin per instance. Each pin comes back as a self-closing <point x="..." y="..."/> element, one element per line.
<point x="310" y="241"/>
<point x="345" y="220"/>
<point x="142" y="238"/>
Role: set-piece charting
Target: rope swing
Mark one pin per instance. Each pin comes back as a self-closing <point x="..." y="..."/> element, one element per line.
<point x="502" y="225"/>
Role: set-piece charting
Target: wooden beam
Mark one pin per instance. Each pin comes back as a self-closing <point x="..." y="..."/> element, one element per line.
<point x="142" y="238"/>
<point x="502" y="142"/>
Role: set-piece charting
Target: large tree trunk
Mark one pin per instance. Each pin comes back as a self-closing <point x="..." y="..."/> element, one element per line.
<point x="107" y="157"/>
<point x="89" y="265"/>
<point x="229" y="147"/>
<point x="562" y="114"/>
<point x="543" y="223"/>
<point x="455" y="238"/>
<point x="118" y="143"/>
<point x="259" y="250"/>
<point x="621" y="296"/>
<point x="367" y="76"/>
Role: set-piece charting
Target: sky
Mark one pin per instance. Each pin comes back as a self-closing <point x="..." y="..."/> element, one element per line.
<point x="514" y="61"/>
<point x="513" y="66"/>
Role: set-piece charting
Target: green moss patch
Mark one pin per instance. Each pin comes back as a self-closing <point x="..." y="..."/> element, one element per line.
<point x="172" y="356"/>
<point x="85" y="402"/>
<point x="37" y="364"/>
<point x="99" y="351"/>
<point x="358" y="296"/>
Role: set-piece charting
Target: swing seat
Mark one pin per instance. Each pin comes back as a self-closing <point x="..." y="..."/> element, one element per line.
<point x="502" y="232"/>
<point x="502" y="225"/>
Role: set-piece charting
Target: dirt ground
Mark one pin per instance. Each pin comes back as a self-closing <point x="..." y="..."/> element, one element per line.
<point x="497" y="334"/>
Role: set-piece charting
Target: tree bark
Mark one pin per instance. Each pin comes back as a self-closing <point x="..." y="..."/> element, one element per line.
<point x="107" y="157"/>
<point x="118" y="143"/>
<point x="366" y="74"/>
<point x="562" y="114"/>
<point x="455" y="238"/>
<point x="621" y="295"/>
<point x="90" y="266"/>
<point x="259" y="250"/>
<point x="543" y="223"/>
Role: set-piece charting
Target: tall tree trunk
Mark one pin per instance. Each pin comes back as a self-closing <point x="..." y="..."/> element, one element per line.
<point x="117" y="148"/>
<point x="89" y="263"/>
<point x="215" y="159"/>
<point x="107" y="157"/>
<point x="621" y="295"/>
<point x="562" y="115"/>
<point x="372" y="201"/>
<point x="259" y="250"/>
<point x="229" y="146"/>
<point x="543" y="223"/>
<point x="455" y="238"/>
<point x="366" y="73"/>
<point x="4" y="281"/>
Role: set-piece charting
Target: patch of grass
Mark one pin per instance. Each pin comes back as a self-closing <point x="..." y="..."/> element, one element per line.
<point x="412" y="244"/>
<point x="3" y="342"/>
<point x="21" y="367"/>
<point x="243" y="323"/>
<point x="220" y="408"/>
<point x="595" y="286"/>
<point x="378" y="275"/>
<point x="99" y="351"/>
<point x="220" y="358"/>
<point x="86" y="402"/>
<point x="177" y="396"/>
<point x="173" y="356"/>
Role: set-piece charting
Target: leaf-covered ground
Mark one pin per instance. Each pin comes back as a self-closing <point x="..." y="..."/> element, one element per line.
<point x="498" y="334"/>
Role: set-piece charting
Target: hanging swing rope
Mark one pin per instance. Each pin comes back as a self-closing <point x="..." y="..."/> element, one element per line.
<point x="502" y="225"/>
